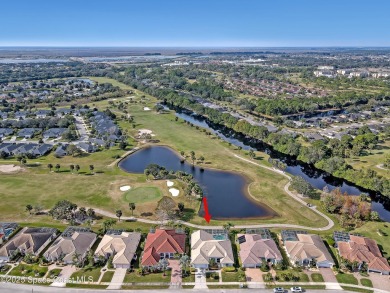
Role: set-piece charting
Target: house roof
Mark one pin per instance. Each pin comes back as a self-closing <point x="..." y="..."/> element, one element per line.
<point x="308" y="246"/>
<point x="362" y="249"/>
<point x="254" y="249"/>
<point x="30" y="240"/>
<point x="66" y="247"/>
<point x="162" y="241"/>
<point x="204" y="247"/>
<point x="123" y="247"/>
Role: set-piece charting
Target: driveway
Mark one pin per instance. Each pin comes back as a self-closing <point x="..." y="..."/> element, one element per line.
<point x="176" y="280"/>
<point x="380" y="281"/>
<point x="200" y="279"/>
<point x="66" y="272"/>
<point x="117" y="279"/>
<point x="254" y="275"/>
<point x="330" y="279"/>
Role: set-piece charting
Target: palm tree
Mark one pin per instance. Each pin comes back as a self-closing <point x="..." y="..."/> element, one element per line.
<point x="180" y="206"/>
<point x="147" y="173"/>
<point x="29" y="208"/>
<point x="182" y="153"/>
<point x="193" y="158"/>
<point x="77" y="167"/>
<point x="107" y="224"/>
<point x="91" y="213"/>
<point x="201" y="159"/>
<point x="184" y="262"/>
<point x="71" y="168"/>
<point x="163" y="264"/>
<point x="58" y="166"/>
<point x="228" y="226"/>
<point x="132" y="207"/>
<point x="118" y="213"/>
<point x="91" y="167"/>
<point x="251" y="154"/>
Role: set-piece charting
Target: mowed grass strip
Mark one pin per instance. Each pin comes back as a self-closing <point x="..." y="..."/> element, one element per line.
<point x="142" y="194"/>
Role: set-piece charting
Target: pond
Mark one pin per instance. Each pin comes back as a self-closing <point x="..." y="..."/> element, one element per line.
<point x="226" y="192"/>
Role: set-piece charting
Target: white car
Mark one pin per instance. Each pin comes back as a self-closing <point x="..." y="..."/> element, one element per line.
<point x="278" y="290"/>
<point x="296" y="289"/>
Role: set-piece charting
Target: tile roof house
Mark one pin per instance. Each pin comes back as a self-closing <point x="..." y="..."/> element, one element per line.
<point x="28" y="240"/>
<point x="68" y="245"/>
<point x="122" y="246"/>
<point x="162" y="244"/>
<point x="308" y="249"/>
<point x="364" y="251"/>
<point x="254" y="250"/>
<point x="205" y="248"/>
<point x="28" y="132"/>
<point x="54" y="132"/>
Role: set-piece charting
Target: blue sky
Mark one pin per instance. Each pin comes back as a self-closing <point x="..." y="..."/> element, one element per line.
<point x="195" y="23"/>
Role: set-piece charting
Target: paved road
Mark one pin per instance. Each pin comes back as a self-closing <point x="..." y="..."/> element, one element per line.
<point x="18" y="288"/>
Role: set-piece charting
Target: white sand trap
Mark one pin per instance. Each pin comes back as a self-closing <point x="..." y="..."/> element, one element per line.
<point x="124" y="188"/>
<point x="170" y="183"/>
<point x="175" y="192"/>
<point x="144" y="131"/>
<point x="10" y="168"/>
<point x="147" y="109"/>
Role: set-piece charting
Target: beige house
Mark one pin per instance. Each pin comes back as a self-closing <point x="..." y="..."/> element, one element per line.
<point x="122" y="246"/>
<point x="254" y="250"/>
<point x="205" y="248"/>
<point x="71" y="246"/>
<point x="308" y="249"/>
<point x="28" y="241"/>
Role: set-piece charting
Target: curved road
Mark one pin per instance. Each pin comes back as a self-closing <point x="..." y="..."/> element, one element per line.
<point x="327" y="227"/>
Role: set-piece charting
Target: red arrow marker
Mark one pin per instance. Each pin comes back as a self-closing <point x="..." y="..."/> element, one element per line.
<point x="207" y="215"/>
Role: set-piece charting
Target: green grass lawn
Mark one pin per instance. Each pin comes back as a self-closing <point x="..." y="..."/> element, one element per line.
<point x="317" y="277"/>
<point x="302" y="276"/>
<point x="142" y="194"/>
<point x="152" y="277"/>
<point x="4" y="269"/>
<point x="366" y="282"/>
<point x="26" y="270"/>
<point x="86" y="286"/>
<point x="230" y="276"/>
<point x="353" y="289"/>
<point x="212" y="277"/>
<point x="54" y="273"/>
<point x="189" y="278"/>
<point x="107" y="277"/>
<point x="91" y="274"/>
<point x="347" y="279"/>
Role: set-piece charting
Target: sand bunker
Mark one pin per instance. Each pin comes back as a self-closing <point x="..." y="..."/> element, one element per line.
<point x="147" y="109"/>
<point x="124" y="188"/>
<point x="174" y="191"/>
<point x="10" y="168"/>
<point x="170" y="183"/>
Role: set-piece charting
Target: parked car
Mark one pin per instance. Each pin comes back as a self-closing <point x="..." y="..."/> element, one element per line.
<point x="278" y="290"/>
<point x="296" y="289"/>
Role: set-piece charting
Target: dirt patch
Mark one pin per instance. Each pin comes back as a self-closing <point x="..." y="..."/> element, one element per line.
<point x="9" y="169"/>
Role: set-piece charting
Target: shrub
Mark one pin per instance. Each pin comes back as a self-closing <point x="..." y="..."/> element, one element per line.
<point x="229" y="269"/>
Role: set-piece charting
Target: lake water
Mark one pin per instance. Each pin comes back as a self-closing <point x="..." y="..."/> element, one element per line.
<point x="226" y="192"/>
<point x="315" y="177"/>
